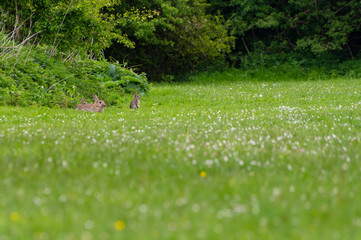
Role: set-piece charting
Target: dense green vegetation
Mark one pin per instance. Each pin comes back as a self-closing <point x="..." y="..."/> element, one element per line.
<point x="284" y="26"/>
<point x="28" y="76"/>
<point x="168" y="39"/>
<point x="227" y="156"/>
<point x="166" y="36"/>
<point x="179" y="39"/>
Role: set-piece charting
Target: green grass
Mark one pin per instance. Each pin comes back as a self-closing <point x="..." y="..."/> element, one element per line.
<point x="281" y="159"/>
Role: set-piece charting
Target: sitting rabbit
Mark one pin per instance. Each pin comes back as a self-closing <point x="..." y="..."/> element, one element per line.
<point x="135" y="103"/>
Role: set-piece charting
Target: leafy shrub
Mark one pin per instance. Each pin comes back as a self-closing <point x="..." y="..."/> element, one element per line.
<point x="125" y="78"/>
<point x="28" y="76"/>
<point x="176" y="37"/>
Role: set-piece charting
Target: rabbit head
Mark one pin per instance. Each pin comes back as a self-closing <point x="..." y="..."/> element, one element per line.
<point x="99" y="103"/>
<point x="81" y="105"/>
<point x="136" y="96"/>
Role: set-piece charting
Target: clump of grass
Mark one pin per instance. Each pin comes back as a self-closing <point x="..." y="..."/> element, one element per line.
<point x="222" y="160"/>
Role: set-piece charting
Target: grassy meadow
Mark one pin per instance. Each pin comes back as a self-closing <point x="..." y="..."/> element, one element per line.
<point x="223" y="157"/>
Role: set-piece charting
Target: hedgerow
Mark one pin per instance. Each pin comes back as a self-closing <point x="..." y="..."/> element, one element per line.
<point x="29" y="76"/>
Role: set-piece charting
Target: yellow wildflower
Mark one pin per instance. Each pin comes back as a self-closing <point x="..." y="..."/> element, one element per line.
<point x="14" y="216"/>
<point x="119" y="225"/>
<point x="203" y="174"/>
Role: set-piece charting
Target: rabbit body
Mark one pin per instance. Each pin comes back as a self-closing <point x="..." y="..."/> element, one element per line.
<point x="97" y="106"/>
<point x="135" y="103"/>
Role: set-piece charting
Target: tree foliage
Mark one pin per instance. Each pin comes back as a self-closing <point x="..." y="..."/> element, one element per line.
<point x="161" y="37"/>
<point x="67" y="25"/>
<point x="315" y="26"/>
<point x="178" y="36"/>
<point x="166" y="38"/>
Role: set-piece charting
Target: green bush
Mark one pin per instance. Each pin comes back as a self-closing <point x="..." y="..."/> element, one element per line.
<point x="176" y="37"/>
<point x="28" y="76"/>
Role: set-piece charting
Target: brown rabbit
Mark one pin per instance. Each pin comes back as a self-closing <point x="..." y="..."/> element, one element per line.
<point x="135" y="103"/>
<point x="97" y="106"/>
<point x="81" y="105"/>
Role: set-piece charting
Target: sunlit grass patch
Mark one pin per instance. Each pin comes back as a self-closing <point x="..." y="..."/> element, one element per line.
<point x="218" y="160"/>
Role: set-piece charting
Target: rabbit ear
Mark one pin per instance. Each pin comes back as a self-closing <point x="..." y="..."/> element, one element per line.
<point x="135" y="92"/>
<point x="95" y="97"/>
